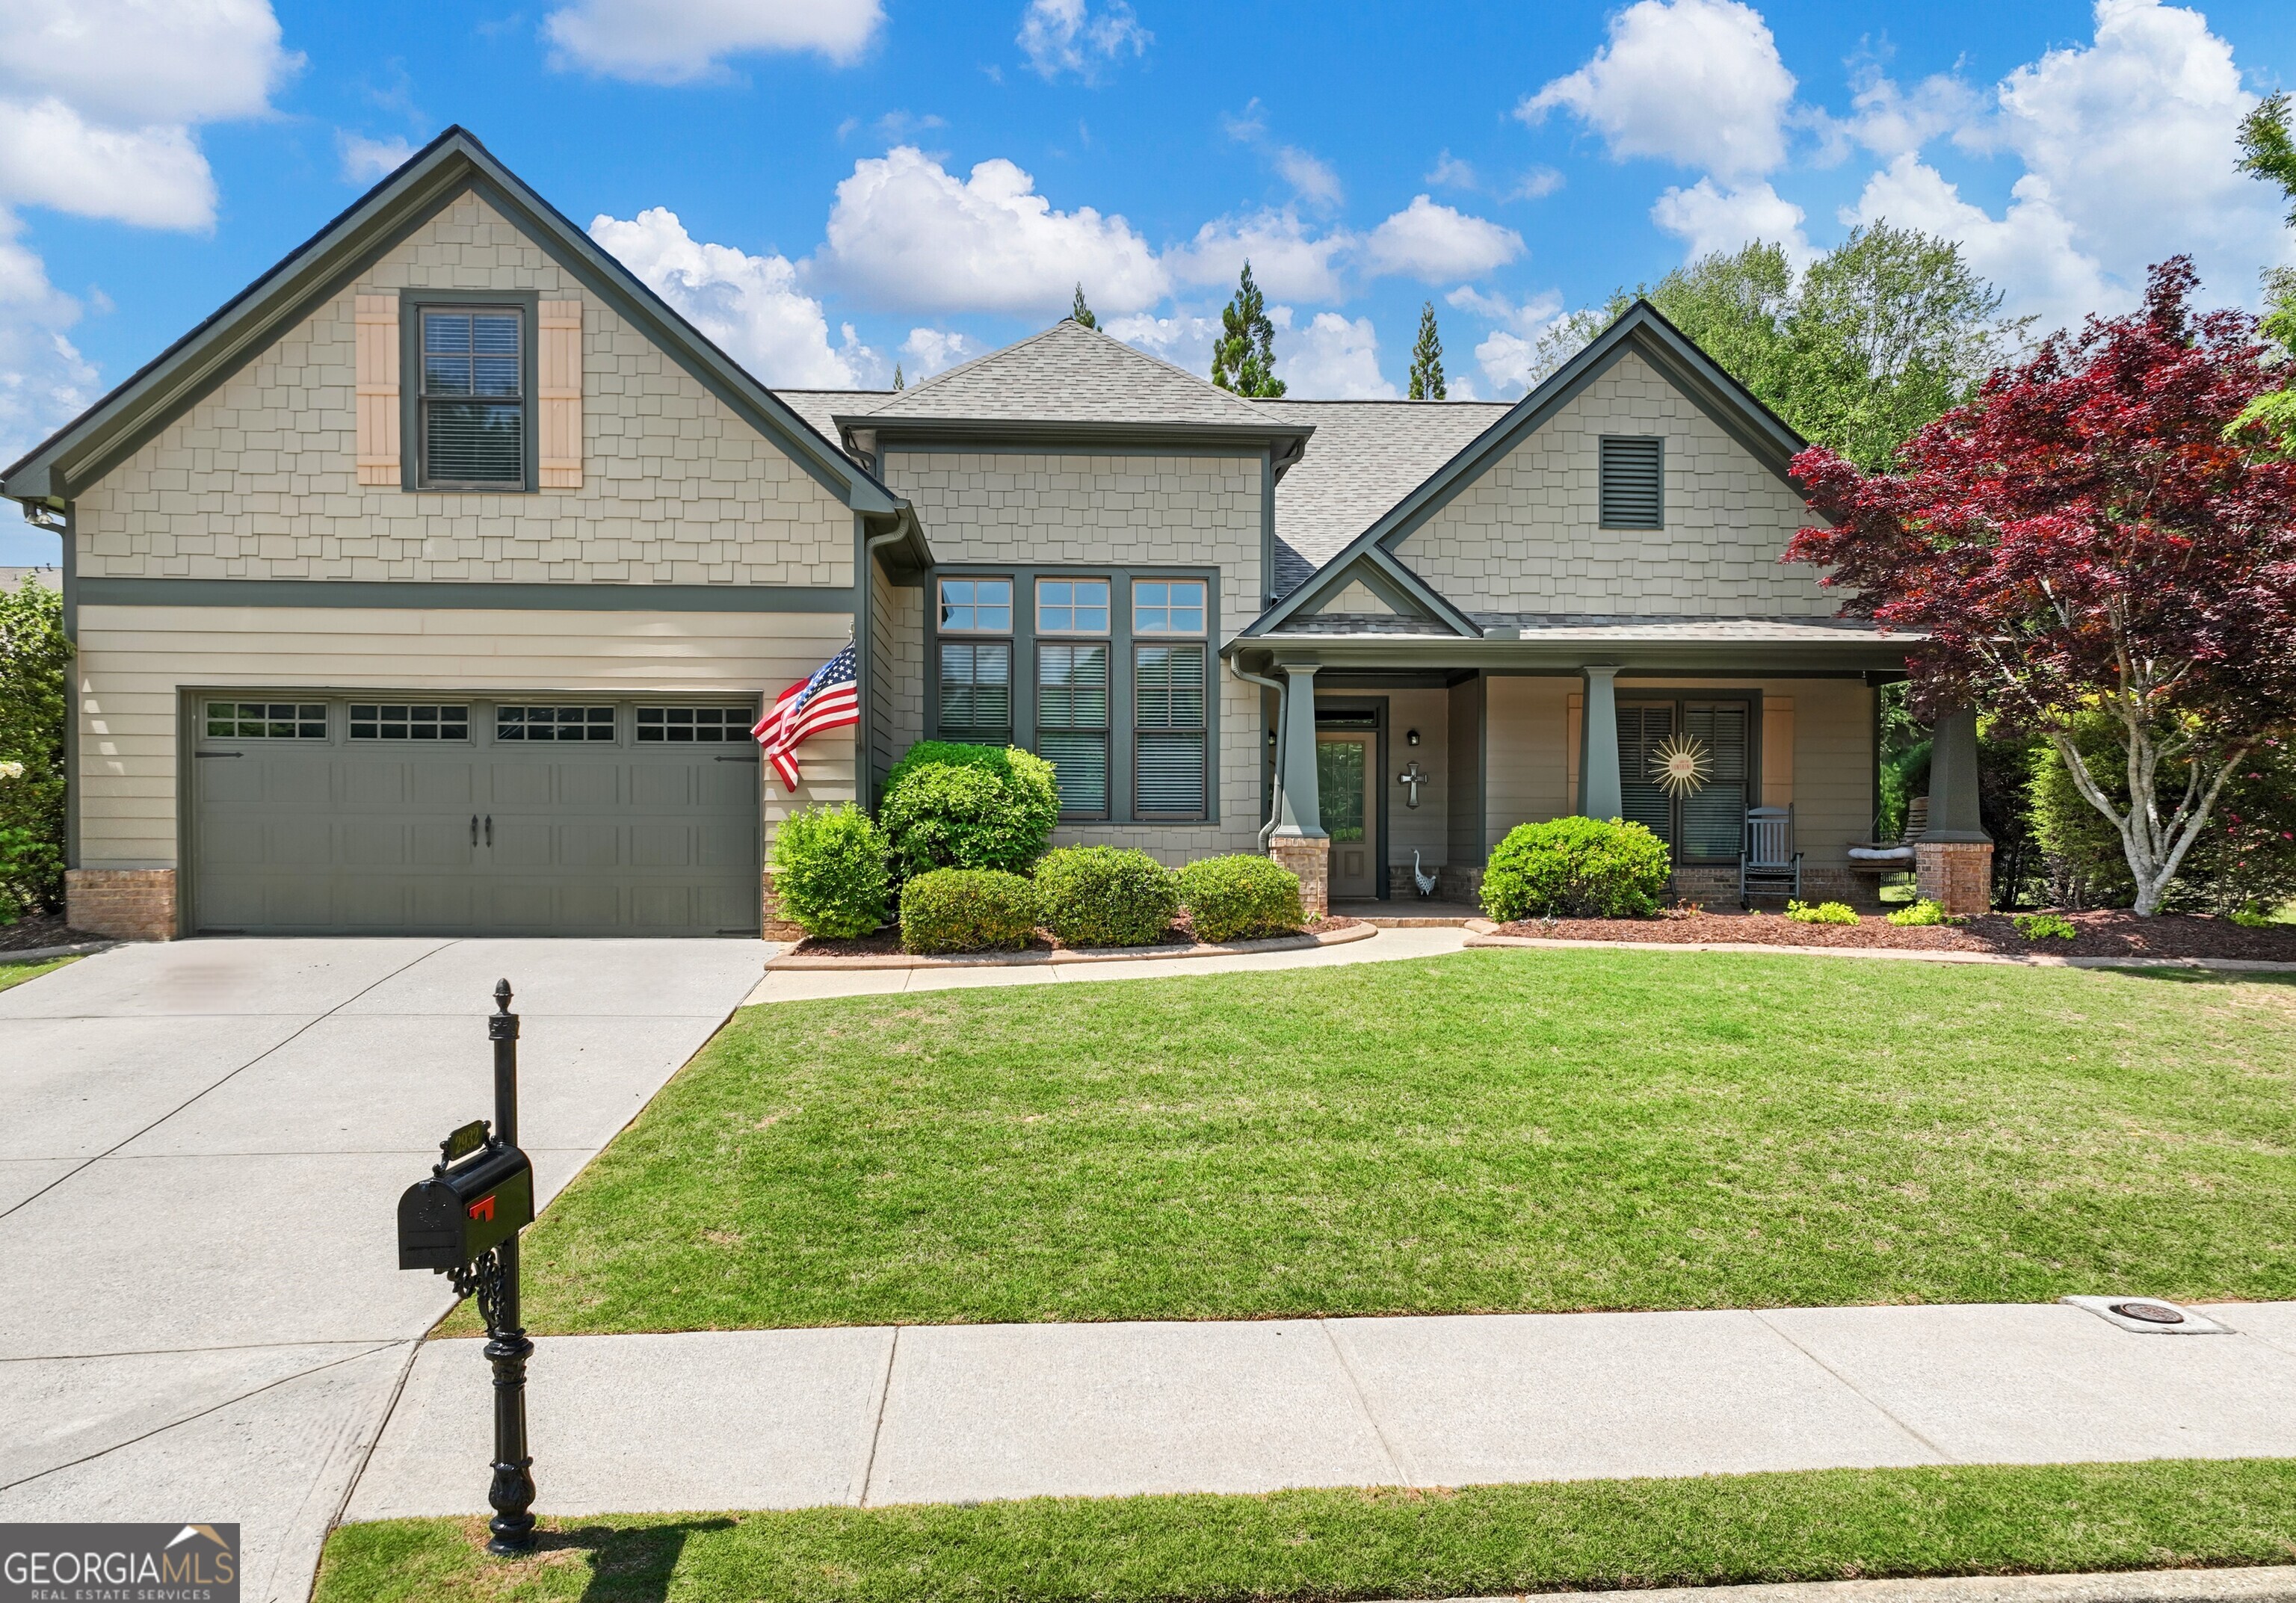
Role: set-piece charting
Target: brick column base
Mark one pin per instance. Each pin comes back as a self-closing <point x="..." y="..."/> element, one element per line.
<point x="126" y="904"/>
<point x="1311" y="858"/>
<point x="1956" y="874"/>
<point x="771" y="925"/>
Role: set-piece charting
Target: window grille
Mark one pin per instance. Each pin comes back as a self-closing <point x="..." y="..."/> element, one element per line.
<point x="693" y="725"/>
<point x="531" y="723"/>
<point x="267" y="720"/>
<point x="471" y="398"/>
<point x="382" y="720"/>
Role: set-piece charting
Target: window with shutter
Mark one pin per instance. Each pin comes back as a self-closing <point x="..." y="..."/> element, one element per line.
<point x="1633" y="481"/>
<point x="1072" y="724"/>
<point x="976" y="675"/>
<point x="1706" y="825"/>
<point x="558" y="379"/>
<point x="1168" y="720"/>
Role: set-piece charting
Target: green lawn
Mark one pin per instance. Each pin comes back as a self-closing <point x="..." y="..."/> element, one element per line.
<point x="1490" y="1130"/>
<point x="1318" y="1545"/>
<point x="16" y="973"/>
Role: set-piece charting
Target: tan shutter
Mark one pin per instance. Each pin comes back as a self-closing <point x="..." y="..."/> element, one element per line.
<point x="559" y="370"/>
<point x="376" y="383"/>
<point x="1777" y="751"/>
<point x="1574" y="721"/>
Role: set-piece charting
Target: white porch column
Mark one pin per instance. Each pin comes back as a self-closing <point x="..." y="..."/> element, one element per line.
<point x="1599" y="792"/>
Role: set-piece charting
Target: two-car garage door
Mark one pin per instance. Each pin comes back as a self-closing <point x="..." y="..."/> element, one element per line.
<point x="326" y="814"/>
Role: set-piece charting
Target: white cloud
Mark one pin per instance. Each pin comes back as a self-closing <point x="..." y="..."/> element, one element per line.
<point x="1067" y="36"/>
<point x="2031" y="253"/>
<point x="144" y="63"/>
<point x="1709" y="219"/>
<point x="1184" y="339"/>
<point x="1533" y="337"/>
<point x="1288" y="261"/>
<point x="1694" y="82"/>
<point x="1435" y="243"/>
<point x="930" y="351"/>
<point x="1332" y="359"/>
<point x="1451" y="173"/>
<point x="750" y="306"/>
<point x="1890" y="120"/>
<point x="99" y="123"/>
<point x="365" y="160"/>
<point x="1310" y="177"/>
<point x="1536" y="185"/>
<point x="682" y="41"/>
<point x="905" y="231"/>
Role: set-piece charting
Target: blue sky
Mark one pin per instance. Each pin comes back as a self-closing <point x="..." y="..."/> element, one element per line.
<point x="834" y="187"/>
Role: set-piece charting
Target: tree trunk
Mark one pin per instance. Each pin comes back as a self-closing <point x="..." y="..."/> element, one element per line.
<point x="2155" y="847"/>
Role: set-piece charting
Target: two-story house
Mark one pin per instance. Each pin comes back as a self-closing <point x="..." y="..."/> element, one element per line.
<point x="432" y="585"/>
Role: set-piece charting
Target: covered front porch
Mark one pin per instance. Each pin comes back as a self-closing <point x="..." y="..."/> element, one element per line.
<point x="1423" y="750"/>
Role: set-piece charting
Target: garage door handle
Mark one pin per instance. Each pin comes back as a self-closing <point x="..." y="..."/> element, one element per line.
<point x="218" y="754"/>
<point x="474" y="828"/>
<point x="490" y="829"/>
<point x="750" y="757"/>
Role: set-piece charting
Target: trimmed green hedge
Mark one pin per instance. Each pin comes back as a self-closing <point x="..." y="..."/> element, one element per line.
<point x="967" y="910"/>
<point x="1577" y="868"/>
<point x="829" y="870"/>
<point x="950" y="806"/>
<point x="1105" y="896"/>
<point x="1241" y="898"/>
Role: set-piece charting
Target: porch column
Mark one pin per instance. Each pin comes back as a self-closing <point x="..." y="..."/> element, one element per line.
<point x="1298" y="841"/>
<point x="1599" y="794"/>
<point x="1953" y="860"/>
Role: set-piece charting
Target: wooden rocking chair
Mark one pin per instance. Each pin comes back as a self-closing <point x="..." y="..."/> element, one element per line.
<point x="1768" y="866"/>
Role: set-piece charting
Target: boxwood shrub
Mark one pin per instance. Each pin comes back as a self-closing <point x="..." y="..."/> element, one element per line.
<point x="1241" y="898"/>
<point x="1575" y="868"/>
<point x="967" y="910"/>
<point x="1103" y="896"/>
<point x="951" y="806"/>
<point x="829" y="870"/>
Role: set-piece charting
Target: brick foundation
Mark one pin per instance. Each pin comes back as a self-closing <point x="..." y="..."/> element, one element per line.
<point x="1716" y="886"/>
<point x="1958" y="874"/>
<point x="772" y="926"/>
<point x="126" y="904"/>
<point x="1311" y="858"/>
<point x="1460" y="884"/>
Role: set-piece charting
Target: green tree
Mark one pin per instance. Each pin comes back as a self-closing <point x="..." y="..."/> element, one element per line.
<point x="1081" y="312"/>
<point x="33" y="653"/>
<point x="1244" y="357"/>
<point x="2269" y="151"/>
<point x="898" y="382"/>
<point x="1427" y="359"/>
<point x="1735" y="305"/>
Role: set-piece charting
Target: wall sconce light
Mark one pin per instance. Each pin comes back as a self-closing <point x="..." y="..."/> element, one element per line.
<point x="1271" y="737"/>
<point x="1411" y="737"/>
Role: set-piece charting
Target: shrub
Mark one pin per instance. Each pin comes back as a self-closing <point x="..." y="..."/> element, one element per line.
<point x="2250" y="917"/>
<point x="1241" y="898"/>
<point x="1824" y="913"/>
<point x="948" y="805"/>
<point x="33" y="653"/>
<point x="1575" y="868"/>
<point x="2044" y="927"/>
<point x="829" y="870"/>
<point x="967" y="910"/>
<point x="1103" y="896"/>
<point x="1922" y="912"/>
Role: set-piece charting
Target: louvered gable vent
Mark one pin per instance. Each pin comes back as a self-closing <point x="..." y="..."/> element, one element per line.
<point x="1633" y="481"/>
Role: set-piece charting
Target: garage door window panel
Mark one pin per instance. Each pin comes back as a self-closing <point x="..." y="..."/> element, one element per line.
<point x="267" y="720"/>
<point x="693" y="725"/>
<point x="532" y="724"/>
<point x="415" y="721"/>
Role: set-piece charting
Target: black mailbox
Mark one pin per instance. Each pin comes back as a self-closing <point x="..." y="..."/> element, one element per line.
<point x="448" y="1220"/>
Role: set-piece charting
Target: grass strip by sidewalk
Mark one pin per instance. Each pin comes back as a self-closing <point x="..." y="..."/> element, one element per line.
<point x="1482" y="1131"/>
<point x="17" y="973"/>
<point x="1817" y="1525"/>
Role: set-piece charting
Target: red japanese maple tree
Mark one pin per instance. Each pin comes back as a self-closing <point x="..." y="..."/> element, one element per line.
<point x="2085" y="536"/>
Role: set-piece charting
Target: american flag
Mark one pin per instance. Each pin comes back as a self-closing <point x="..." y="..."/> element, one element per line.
<point x="830" y="699"/>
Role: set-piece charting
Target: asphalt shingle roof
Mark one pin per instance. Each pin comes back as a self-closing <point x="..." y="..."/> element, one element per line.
<point x="821" y="408"/>
<point x="1364" y="457"/>
<point x="1070" y="374"/>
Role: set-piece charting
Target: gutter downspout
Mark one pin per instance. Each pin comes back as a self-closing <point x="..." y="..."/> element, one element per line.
<point x="1282" y="726"/>
<point x="864" y="632"/>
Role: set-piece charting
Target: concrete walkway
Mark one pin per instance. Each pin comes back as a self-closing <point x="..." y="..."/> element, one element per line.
<point x="202" y="1148"/>
<point x="788" y="1418"/>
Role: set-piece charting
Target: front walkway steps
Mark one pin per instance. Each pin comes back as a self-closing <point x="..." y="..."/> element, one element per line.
<point x="946" y="1414"/>
<point x="2266" y="1583"/>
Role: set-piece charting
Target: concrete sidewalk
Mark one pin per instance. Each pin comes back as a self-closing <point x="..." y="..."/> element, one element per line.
<point x="202" y="1148"/>
<point x="790" y="1419"/>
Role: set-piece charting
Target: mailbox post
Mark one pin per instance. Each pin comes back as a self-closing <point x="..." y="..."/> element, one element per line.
<point x="463" y="1223"/>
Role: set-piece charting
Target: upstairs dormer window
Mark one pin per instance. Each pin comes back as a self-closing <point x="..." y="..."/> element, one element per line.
<point x="1633" y="481"/>
<point x="471" y="398"/>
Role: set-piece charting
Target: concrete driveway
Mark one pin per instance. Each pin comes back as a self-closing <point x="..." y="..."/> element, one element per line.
<point x="201" y="1146"/>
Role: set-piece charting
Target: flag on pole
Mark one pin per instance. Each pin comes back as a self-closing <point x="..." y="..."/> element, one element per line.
<point x="830" y="699"/>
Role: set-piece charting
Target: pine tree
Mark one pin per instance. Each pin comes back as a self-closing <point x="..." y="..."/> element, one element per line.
<point x="1427" y="359"/>
<point x="1244" y="357"/>
<point x="898" y="382"/>
<point x="1081" y="312"/>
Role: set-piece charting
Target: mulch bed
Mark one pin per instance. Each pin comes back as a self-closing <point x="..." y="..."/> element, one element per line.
<point x="2101" y="933"/>
<point x="40" y="929"/>
<point x="887" y="942"/>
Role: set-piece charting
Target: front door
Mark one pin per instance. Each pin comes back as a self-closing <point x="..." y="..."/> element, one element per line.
<point x="1350" y="803"/>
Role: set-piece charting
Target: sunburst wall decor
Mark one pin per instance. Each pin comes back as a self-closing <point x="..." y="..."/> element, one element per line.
<point x="1681" y="765"/>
